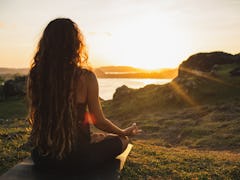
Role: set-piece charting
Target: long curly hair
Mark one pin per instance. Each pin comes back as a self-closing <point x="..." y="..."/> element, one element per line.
<point x="58" y="60"/>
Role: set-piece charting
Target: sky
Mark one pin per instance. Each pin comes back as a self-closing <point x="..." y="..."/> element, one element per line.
<point x="148" y="34"/>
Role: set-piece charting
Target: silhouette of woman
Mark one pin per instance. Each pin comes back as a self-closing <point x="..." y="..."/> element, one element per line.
<point x="63" y="98"/>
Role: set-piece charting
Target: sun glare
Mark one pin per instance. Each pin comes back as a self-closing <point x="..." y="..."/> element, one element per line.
<point x="147" y="44"/>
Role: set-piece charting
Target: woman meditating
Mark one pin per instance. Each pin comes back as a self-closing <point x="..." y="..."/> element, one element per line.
<point x="63" y="101"/>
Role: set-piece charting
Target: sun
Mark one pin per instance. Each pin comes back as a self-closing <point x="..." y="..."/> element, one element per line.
<point x="144" y="44"/>
<point x="148" y="48"/>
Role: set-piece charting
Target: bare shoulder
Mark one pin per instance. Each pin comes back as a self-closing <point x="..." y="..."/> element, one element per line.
<point x="86" y="83"/>
<point x="88" y="77"/>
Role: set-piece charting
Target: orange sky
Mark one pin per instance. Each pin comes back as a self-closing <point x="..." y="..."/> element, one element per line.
<point x="141" y="33"/>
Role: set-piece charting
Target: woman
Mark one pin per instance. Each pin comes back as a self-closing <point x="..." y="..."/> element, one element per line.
<point x="60" y="91"/>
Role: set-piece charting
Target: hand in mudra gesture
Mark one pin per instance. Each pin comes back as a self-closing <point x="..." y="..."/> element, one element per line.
<point x="132" y="130"/>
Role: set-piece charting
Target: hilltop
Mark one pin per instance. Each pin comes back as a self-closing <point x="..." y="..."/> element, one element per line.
<point x="20" y="71"/>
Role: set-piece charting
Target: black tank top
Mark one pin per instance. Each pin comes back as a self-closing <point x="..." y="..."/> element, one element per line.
<point x="83" y="125"/>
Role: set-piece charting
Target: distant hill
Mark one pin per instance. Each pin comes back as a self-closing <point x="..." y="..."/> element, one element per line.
<point x="131" y="72"/>
<point x="120" y="69"/>
<point x="21" y="71"/>
<point x="109" y="72"/>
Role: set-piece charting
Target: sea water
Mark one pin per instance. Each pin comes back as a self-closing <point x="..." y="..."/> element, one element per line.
<point x="108" y="86"/>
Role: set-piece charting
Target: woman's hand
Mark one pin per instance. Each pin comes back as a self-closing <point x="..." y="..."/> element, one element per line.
<point x="132" y="130"/>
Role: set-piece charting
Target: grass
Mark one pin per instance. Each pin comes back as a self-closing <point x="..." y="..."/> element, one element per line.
<point x="213" y="127"/>
<point x="149" y="161"/>
<point x="14" y="107"/>
<point x="13" y="132"/>
<point x="13" y="140"/>
<point x="202" y="152"/>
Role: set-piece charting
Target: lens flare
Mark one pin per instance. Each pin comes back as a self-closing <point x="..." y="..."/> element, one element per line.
<point x="89" y="118"/>
<point x="208" y="77"/>
<point x="183" y="94"/>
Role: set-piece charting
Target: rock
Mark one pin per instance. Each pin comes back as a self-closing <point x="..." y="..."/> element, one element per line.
<point x="121" y="92"/>
<point x="206" y="62"/>
<point x="235" y="72"/>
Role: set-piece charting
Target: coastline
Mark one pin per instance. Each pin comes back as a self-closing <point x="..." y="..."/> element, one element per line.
<point x="108" y="86"/>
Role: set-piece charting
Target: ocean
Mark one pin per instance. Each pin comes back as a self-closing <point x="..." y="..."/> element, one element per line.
<point x="108" y="86"/>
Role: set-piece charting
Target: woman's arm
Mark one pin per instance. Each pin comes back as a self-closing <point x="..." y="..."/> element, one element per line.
<point x="95" y="109"/>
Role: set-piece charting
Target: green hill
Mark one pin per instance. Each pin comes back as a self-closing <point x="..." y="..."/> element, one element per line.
<point x="191" y="88"/>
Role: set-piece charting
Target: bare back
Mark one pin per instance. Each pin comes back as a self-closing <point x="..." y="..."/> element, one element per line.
<point x="81" y="87"/>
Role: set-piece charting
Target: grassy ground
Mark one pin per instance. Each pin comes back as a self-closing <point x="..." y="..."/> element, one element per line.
<point x="13" y="132"/>
<point x="13" y="108"/>
<point x="180" y="145"/>
<point x="149" y="161"/>
<point x="215" y="127"/>
<point x="13" y="139"/>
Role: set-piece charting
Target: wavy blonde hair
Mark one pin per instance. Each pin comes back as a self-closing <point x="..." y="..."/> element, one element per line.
<point x="51" y="87"/>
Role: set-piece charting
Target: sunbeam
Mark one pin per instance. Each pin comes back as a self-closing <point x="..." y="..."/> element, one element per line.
<point x="178" y="89"/>
<point x="208" y="76"/>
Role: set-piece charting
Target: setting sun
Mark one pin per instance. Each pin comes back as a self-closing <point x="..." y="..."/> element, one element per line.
<point x="143" y="44"/>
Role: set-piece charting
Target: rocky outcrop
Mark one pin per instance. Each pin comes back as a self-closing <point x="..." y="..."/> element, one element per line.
<point x="121" y="92"/>
<point x="206" y="62"/>
<point x="235" y="72"/>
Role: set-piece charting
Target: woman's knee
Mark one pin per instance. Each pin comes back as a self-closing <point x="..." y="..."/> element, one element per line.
<point x="125" y="142"/>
